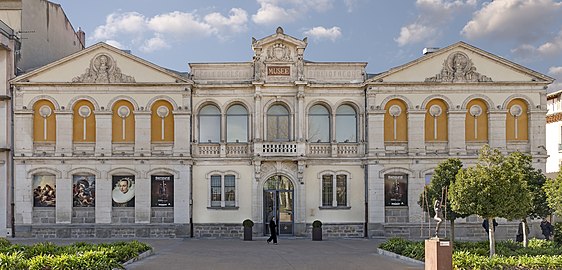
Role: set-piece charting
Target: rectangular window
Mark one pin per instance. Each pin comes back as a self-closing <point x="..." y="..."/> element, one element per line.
<point x="229" y="191"/>
<point x="341" y="190"/>
<point x="216" y="190"/>
<point x="327" y="190"/>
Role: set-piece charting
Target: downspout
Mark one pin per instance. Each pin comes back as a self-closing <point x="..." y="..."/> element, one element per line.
<point x="366" y="167"/>
<point x="191" y="169"/>
<point x="11" y="165"/>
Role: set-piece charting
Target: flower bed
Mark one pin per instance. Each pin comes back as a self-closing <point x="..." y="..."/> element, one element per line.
<point x="539" y="254"/>
<point x="47" y="256"/>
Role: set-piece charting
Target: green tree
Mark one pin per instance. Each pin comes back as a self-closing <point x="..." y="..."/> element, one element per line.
<point x="441" y="179"/>
<point x="535" y="181"/>
<point x="494" y="188"/>
<point x="553" y="189"/>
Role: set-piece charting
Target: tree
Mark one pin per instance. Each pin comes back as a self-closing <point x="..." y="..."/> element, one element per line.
<point x="441" y="179"/>
<point x="553" y="190"/>
<point x="535" y="181"/>
<point x="495" y="187"/>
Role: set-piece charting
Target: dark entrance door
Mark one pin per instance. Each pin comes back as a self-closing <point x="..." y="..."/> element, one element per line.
<point x="278" y="201"/>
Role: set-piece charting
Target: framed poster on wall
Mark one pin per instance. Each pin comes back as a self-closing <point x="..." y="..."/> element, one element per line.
<point x="162" y="191"/>
<point x="44" y="191"/>
<point x="123" y="193"/>
<point x="83" y="190"/>
<point x="396" y="189"/>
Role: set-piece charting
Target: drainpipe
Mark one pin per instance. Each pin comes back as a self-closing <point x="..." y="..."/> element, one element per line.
<point x="366" y="168"/>
<point x="192" y="165"/>
<point x="11" y="164"/>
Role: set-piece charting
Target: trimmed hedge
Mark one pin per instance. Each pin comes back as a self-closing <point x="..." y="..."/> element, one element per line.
<point x="539" y="254"/>
<point x="81" y="255"/>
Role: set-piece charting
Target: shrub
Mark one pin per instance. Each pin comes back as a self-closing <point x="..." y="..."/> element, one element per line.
<point x="4" y="242"/>
<point x="248" y="223"/>
<point x="317" y="224"/>
<point x="558" y="233"/>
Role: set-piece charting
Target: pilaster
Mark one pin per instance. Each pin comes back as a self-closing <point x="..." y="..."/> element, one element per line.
<point x="416" y="131"/>
<point x="103" y="198"/>
<point x="103" y="133"/>
<point x="64" y="200"/>
<point x="496" y="130"/>
<point x="182" y="210"/>
<point x="182" y="133"/>
<point x="376" y="194"/>
<point x="23" y="142"/>
<point x="457" y="143"/>
<point x="376" y="132"/>
<point x="142" y="200"/>
<point x="64" y="133"/>
<point x="142" y="132"/>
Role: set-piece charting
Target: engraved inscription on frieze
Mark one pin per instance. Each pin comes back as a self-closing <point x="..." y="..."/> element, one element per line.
<point x="278" y="71"/>
<point x="458" y="68"/>
<point x="103" y="69"/>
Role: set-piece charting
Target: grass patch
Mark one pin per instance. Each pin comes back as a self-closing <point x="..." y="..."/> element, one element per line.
<point x="539" y="254"/>
<point x="81" y="255"/>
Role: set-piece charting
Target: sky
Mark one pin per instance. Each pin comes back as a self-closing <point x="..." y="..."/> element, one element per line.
<point x="385" y="34"/>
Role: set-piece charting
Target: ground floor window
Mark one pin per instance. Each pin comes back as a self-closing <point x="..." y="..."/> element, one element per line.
<point x="334" y="190"/>
<point x="223" y="190"/>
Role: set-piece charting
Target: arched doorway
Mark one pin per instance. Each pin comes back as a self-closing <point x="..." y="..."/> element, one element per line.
<point x="278" y="194"/>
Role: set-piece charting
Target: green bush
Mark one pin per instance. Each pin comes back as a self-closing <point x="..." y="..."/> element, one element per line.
<point x="558" y="233"/>
<point x="4" y="242"/>
<point x="317" y="224"/>
<point x="248" y="223"/>
<point x="12" y="261"/>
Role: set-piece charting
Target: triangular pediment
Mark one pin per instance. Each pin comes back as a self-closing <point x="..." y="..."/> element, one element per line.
<point x="460" y="63"/>
<point x="278" y="38"/>
<point x="101" y="64"/>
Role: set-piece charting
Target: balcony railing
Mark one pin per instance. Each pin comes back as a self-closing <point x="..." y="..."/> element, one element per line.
<point x="279" y="149"/>
<point x="319" y="149"/>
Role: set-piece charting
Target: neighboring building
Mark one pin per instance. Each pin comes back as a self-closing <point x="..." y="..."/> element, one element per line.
<point x="554" y="133"/>
<point x="9" y="44"/>
<point x="33" y="33"/>
<point x="46" y="33"/>
<point x="110" y="145"/>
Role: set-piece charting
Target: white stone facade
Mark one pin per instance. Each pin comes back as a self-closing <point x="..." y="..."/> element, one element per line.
<point x="554" y="133"/>
<point x="278" y="135"/>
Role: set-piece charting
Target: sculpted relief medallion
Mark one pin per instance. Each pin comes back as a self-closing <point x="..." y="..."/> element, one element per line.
<point x="103" y="69"/>
<point x="278" y="52"/>
<point x="458" y="68"/>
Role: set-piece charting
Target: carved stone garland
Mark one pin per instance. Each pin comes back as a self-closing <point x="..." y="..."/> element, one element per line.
<point x="458" y="68"/>
<point x="103" y="69"/>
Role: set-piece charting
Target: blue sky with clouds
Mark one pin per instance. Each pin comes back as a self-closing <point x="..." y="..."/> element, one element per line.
<point x="173" y="33"/>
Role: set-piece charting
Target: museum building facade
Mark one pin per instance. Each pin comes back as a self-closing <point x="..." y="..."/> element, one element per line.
<point x="110" y="145"/>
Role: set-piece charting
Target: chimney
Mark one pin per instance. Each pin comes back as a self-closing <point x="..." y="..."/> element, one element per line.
<point x="82" y="37"/>
<point x="429" y="50"/>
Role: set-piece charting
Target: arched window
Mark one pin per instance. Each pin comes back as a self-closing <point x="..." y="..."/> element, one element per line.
<point x="476" y="123"/>
<point x="318" y="124"/>
<point x="209" y="124"/>
<point x="84" y="122"/>
<point x="44" y="122"/>
<point x="517" y="121"/>
<point x="436" y="129"/>
<point x="123" y="122"/>
<point x="278" y="123"/>
<point x="162" y="122"/>
<point x="236" y="124"/>
<point x="346" y="124"/>
<point x="395" y="121"/>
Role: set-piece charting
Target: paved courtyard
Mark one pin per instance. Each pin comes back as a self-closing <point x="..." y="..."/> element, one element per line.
<point x="233" y="254"/>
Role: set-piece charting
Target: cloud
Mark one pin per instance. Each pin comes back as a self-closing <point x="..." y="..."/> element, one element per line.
<point x="284" y="11"/>
<point x="550" y="48"/>
<point x="415" y="33"/>
<point x="433" y="18"/>
<point x="160" y="31"/>
<point x="319" y="33"/>
<point x="115" y="44"/>
<point x="556" y="73"/>
<point x="350" y="4"/>
<point x="520" y="20"/>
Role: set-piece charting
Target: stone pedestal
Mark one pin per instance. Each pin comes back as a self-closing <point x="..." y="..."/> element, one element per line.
<point x="438" y="254"/>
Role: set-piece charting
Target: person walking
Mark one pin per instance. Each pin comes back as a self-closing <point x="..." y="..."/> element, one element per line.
<point x="273" y="231"/>
<point x="546" y="229"/>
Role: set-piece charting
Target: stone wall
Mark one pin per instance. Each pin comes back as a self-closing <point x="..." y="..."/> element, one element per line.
<point x="396" y="214"/>
<point x="162" y="215"/>
<point x="83" y="215"/>
<point x="218" y="230"/>
<point x="349" y="230"/>
<point x="121" y="215"/>
<point x="44" y="215"/>
<point x="104" y="231"/>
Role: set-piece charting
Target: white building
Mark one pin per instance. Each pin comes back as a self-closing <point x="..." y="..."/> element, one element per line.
<point x="554" y="133"/>
<point x="105" y="139"/>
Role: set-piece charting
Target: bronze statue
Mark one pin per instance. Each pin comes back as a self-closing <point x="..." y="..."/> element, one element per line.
<point x="438" y="216"/>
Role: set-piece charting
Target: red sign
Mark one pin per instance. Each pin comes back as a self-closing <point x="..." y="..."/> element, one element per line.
<point x="279" y="71"/>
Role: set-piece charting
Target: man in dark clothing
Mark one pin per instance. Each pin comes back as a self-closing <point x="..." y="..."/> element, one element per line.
<point x="272" y="230"/>
<point x="486" y="226"/>
<point x="546" y="229"/>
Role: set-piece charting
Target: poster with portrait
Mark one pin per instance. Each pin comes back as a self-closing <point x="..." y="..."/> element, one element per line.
<point x="83" y="190"/>
<point x="44" y="191"/>
<point x="396" y="189"/>
<point x="123" y="193"/>
<point x="162" y="191"/>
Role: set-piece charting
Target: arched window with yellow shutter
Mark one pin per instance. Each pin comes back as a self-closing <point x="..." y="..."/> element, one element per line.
<point x="123" y="122"/>
<point x="395" y="122"/>
<point x="162" y="122"/>
<point x="84" y="122"/>
<point x="44" y="122"/>
<point x="436" y="121"/>
<point x="476" y="123"/>
<point x="517" y="121"/>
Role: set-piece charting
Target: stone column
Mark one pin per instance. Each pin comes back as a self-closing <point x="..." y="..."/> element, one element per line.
<point x="64" y="200"/>
<point x="64" y="133"/>
<point x="182" y="133"/>
<point x="457" y="143"/>
<point x="257" y="112"/>
<point x="142" y="200"/>
<point x="103" y="197"/>
<point x="182" y="195"/>
<point x="23" y="142"/>
<point x="103" y="133"/>
<point x="300" y="113"/>
<point x="496" y="130"/>
<point x="416" y="131"/>
<point x="142" y="133"/>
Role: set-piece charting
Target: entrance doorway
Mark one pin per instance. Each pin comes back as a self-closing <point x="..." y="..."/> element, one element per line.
<point x="278" y="194"/>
